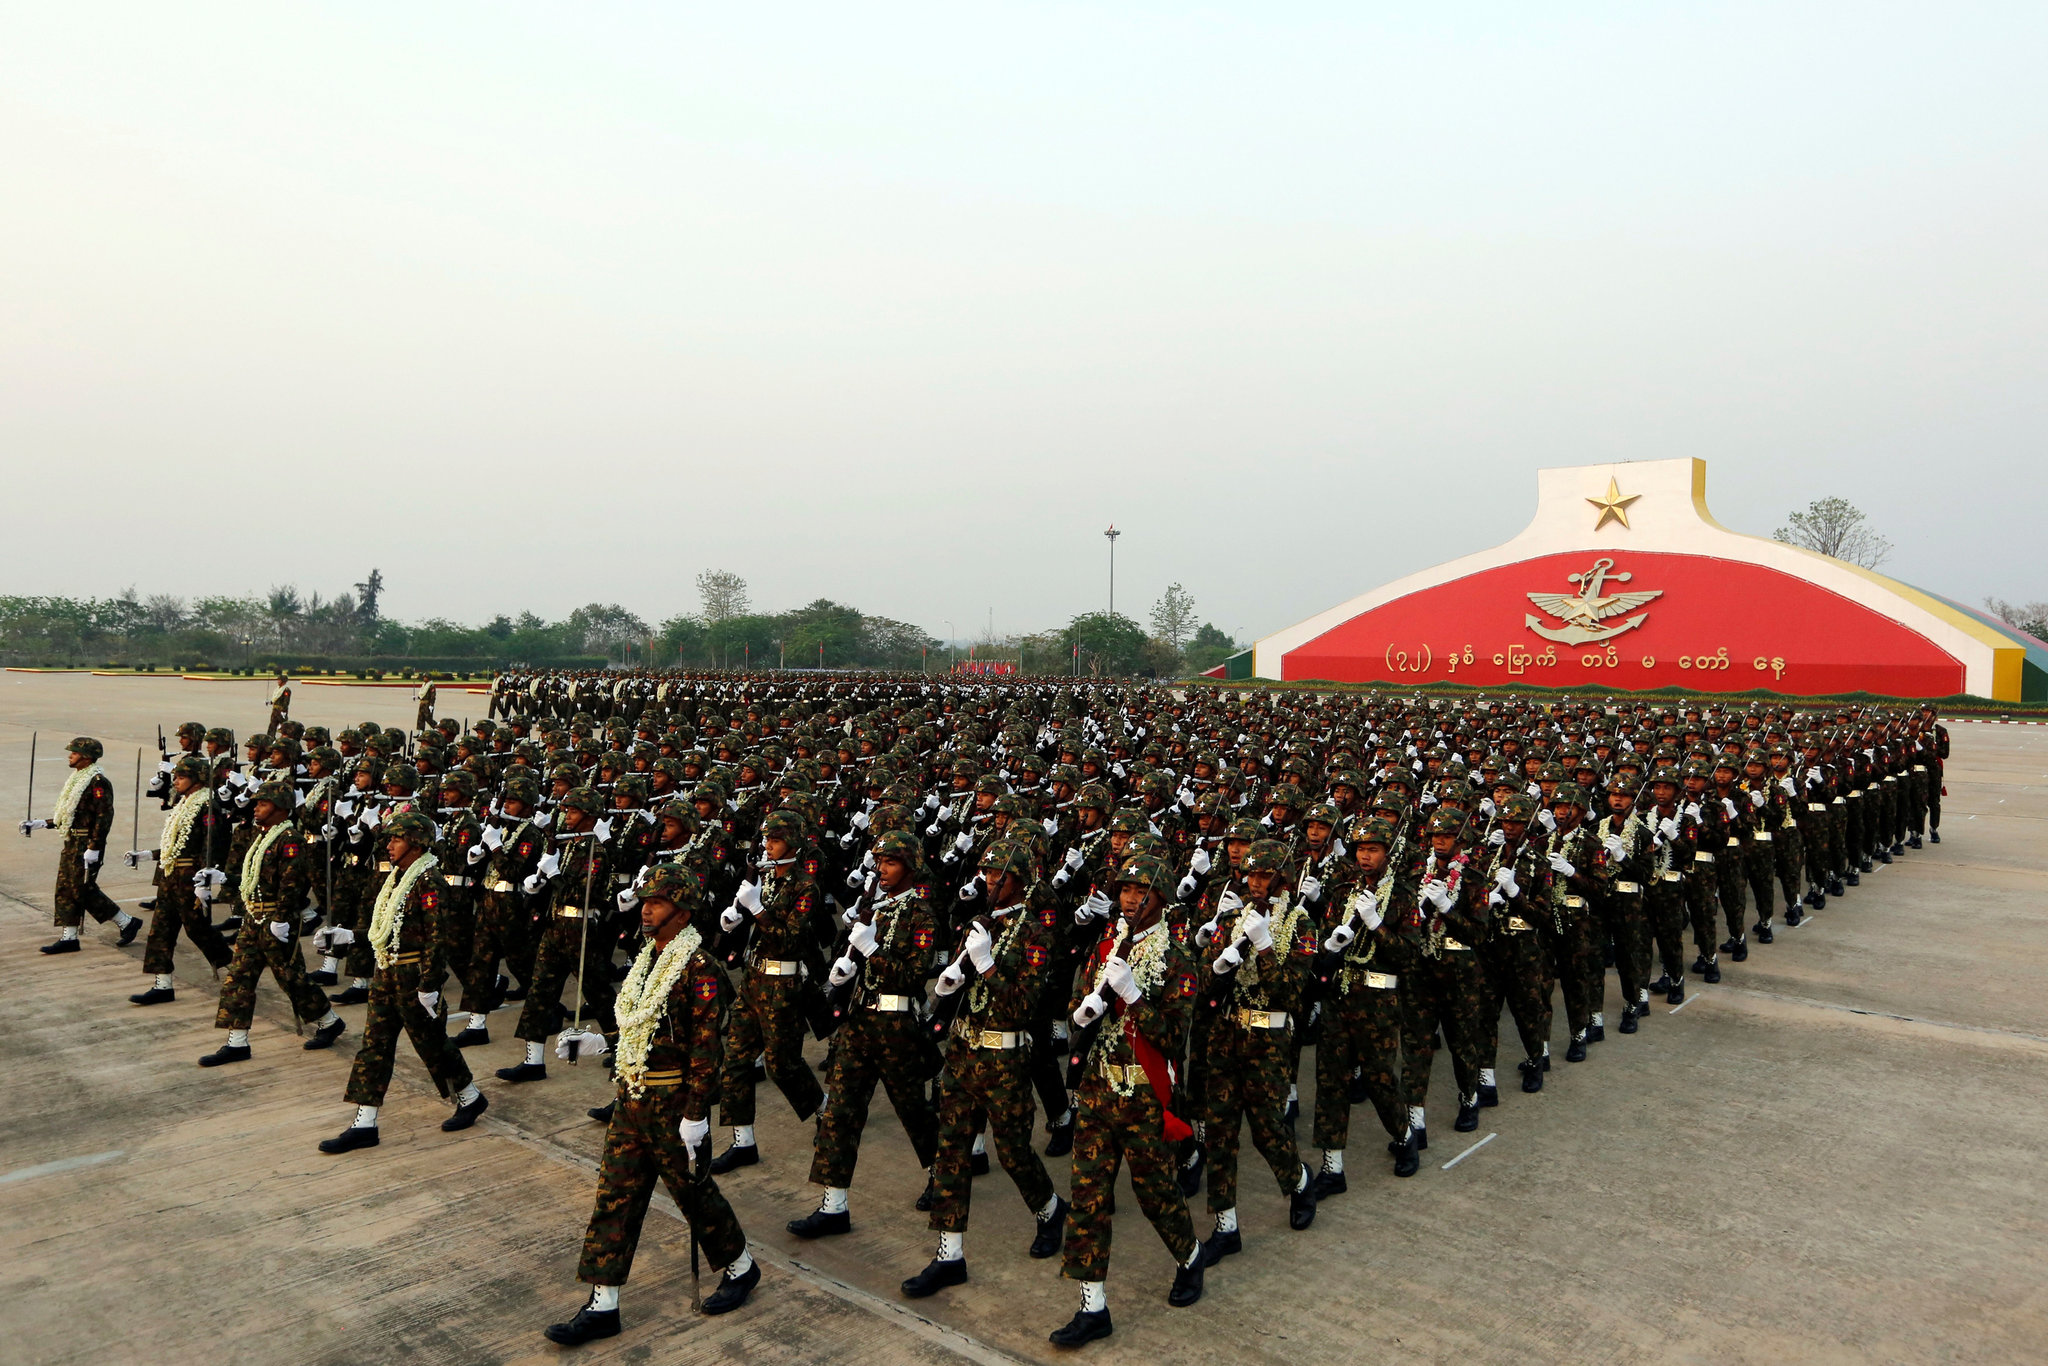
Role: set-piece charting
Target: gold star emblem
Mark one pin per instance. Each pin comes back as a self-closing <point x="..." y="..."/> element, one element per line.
<point x="1614" y="507"/>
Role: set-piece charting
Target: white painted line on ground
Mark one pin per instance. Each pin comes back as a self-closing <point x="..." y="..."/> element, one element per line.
<point x="62" y="1164"/>
<point x="1686" y="1002"/>
<point x="1469" y="1151"/>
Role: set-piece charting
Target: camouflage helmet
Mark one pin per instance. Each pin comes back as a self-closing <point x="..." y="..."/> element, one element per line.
<point x="584" y="799"/>
<point x="220" y="735"/>
<point x="1447" y="823"/>
<point x="459" y="780"/>
<point x="1151" y="873"/>
<point x="1520" y="807"/>
<point x="520" y="787"/>
<point x="783" y="825"/>
<point x="1324" y="814"/>
<point x="89" y="747"/>
<point x="1245" y="830"/>
<point x="677" y="810"/>
<point x="633" y="787"/>
<point x="1007" y="856"/>
<point x="327" y="756"/>
<point x="403" y="775"/>
<point x="193" y="767"/>
<point x="191" y="730"/>
<point x="410" y="826"/>
<point x="278" y="793"/>
<point x="1095" y="795"/>
<point x="900" y="845"/>
<point x="1371" y="830"/>
<point x="1129" y="821"/>
<point x="1666" y="774"/>
<point x="1287" y="795"/>
<point x="708" y="790"/>
<point x="1267" y="856"/>
<point x="675" y="884"/>
<point x="1569" y="794"/>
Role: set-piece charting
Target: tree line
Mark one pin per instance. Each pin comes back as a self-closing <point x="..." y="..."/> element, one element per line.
<point x="293" y="628"/>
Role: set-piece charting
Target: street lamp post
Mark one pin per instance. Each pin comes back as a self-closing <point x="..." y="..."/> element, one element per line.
<point x="949" y="647"/>
<point x="1112" y="534"/>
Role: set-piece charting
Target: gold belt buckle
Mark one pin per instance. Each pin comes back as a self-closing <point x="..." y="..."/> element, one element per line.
<point x="1629" y="887"/>
<point x="1702" y="858"/>
<point x="1382" y="981"/>
<point x="1450" y="943"/>
<point x="1577" y="903"/>
<point x="1516" y="923"/>
<point x="1672" y="877"/>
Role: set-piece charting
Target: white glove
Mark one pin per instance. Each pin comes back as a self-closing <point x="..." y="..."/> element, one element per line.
<point x="344" y="808"/>
<point x="694" y="1132"/>
<point x="1340" y="938"/>
<point x="494" y="838"/>
<point x="1204" y="933"/>
<point x="931" y="802"/>
<point x="282" y="930"/>
<point x="1757" y="798"/>
<point x="339" y="938"/>
<point x="1495" y="899"/>
<point x="1117" y="976"/>
<point x="1266" y="821"/>
<point x="1536" y="790"/>
<point x="1505" y="880"/>
<point x="1437" y="893"/>
<point x="582" y="1042"/>
<point x="1230" y="903"/>
<point x="628" y="899"/>
<point x="1616" y="850"/>
<point x="92" y="858"/>
<point x="475" y="854"/>
<point x="862" y="939"/>
<point x="964" y="843"/>
<point x="1090" y="1010"/>
<point x="1786" y="783"/>
<point x="532" y="885"/>
<point x="748" y="898"/>
<point x="1486" y="807"/>
<point x="429" y="1000"/>
<point x="1429" y="799"/>
<point x="1728" y="807"/>
<point x="1227" y="961"/>
<point x="1369" y="910"/>
<point x="850" y="916"/>
<point x="842" y="972"/>
<point x="1051" y="825"/>
<point x="543" y="819"/>
<point x="1497" y="838"/>
<point x="225" y="792"/>
<point x="972" y="888"/>
<point x="932" y="829"/>
<point x="1185" y="888"/>
<point x="980" y="948"/>
<point x="1562" y="866"/>
<point x="1546" y="820"/>
<point x="323" y="940"/>
<point x="602" y="831"/>
<point x="1074" y="859"/>
<point x="951" y="980"/>
<point x="1258" y="928"/>
<point x="1692" y="810"/>
<point x="1814" y="776"/>
<point x="730" y="918"/>
<point x="550" y="865"/>
<point x="1096" y="907"/>
<point x="1668" y="827"/>
<point x="1200" y="862"/>
<point x="860" y="820"/>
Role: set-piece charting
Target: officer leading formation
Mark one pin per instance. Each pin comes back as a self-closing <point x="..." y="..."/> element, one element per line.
<point x="1109" y="917"/>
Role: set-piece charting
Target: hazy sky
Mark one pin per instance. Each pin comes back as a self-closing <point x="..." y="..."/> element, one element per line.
<point x="531" y="305"/>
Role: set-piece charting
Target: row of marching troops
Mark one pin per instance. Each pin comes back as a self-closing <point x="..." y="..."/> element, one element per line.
<point x="1125" y="911"/>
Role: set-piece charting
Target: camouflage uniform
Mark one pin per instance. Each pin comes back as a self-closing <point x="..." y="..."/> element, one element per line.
<point x="1445" y="985"/>
<point x="643" y="1141"/>
<point x="418" y="963"/>
<point x="1250" y="1053"/>
<point x="504" y="924"/>
<point x="881" y="1041"/>
<point x="1121" y="1114"/>
<point x="769" y="1014"/>
<point x="78" y="889"/>
<point x="1515" y="954"/>
<point x="281" y="885"/>
<point x="1362" y="1010"/>
<point x="987" y="1077"/>
<point x="177" y="904"/>
<point x="563" y="948"/>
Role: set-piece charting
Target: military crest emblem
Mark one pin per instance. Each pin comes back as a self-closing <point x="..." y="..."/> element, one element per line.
<point x="1587" y="614"/>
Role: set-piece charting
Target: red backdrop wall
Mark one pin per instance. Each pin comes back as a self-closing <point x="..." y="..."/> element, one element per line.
<point x="1718" y="625"/>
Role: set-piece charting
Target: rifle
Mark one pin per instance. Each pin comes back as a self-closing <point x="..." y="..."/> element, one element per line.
<point x="839" y="999"/>
<point x="941" y="1011"/>
<point x="1081" y="1041"/>
<point x="160" y="785"/>
<point x="135" y="826"/>
<point x="30" y="814"/>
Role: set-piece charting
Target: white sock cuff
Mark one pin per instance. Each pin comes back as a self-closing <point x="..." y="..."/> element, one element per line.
<point x="604" y="1298"/>
<point x="834" y="1201"/>
<point x="366" y="1117"/>
<point x="238" y="1038"/>
<point x="952" y="1246"/>
<point x="535" y="1055"/>
<point x="163" y="981"/>
<point x="743" y="1135"/>
<point x="1094" y="1297"/>
<point x="1226" y="1220"/>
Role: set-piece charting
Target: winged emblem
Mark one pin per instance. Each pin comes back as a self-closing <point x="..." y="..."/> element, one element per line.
<point x="1584" y="611"/>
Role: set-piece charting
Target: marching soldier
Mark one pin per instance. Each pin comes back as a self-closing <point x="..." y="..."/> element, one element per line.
<point x="671" y="1019"/>
<point x="274" y="885"/>
<point x="568" y="883"/>
<point x="186" y="846"/>
<point x="85" y="813"/>
<point x="409" y="942"/>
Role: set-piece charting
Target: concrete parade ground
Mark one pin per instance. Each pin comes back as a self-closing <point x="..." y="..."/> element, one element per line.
<point x="1834" y="1155"/>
